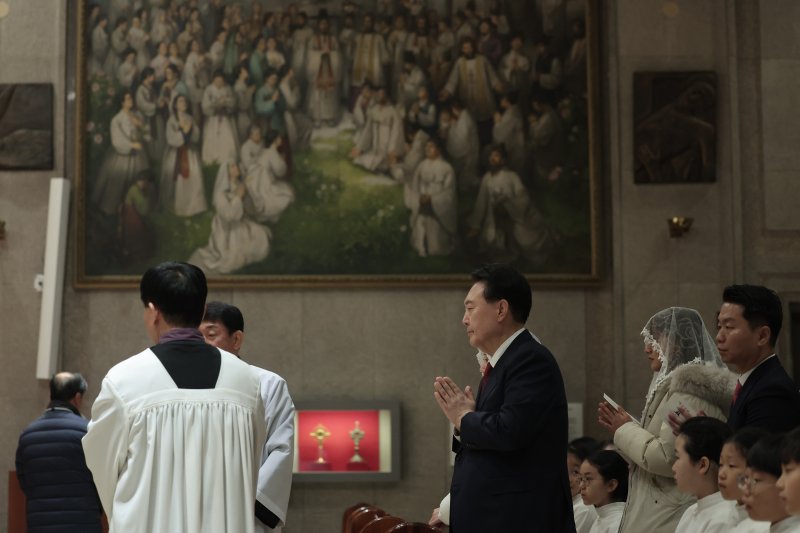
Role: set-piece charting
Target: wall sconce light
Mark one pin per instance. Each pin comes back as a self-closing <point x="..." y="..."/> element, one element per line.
<point x="678" y="226"/>
<point x="2" y="230"/>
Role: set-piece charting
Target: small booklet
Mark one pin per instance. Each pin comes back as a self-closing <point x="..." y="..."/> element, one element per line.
<point x="615" y="405"/>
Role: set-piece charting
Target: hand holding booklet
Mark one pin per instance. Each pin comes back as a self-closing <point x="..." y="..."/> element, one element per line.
<point x="615" y="406"/>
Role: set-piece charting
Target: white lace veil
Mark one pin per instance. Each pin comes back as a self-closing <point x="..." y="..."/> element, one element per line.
<point x="680" y="337"/>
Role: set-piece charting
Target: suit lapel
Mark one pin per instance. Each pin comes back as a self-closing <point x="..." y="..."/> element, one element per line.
<point x="752" y="382"/>
<point x="498" y="372"/>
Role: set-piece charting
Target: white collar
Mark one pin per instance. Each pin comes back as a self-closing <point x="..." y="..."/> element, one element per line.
<point x="503" y="347"/>
<point x="709" y="501"/>
<point x="610" y="509"/>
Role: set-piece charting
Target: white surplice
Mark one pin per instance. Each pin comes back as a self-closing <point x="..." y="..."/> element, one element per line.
<point x="277" y="458"/>
<point x="433" y="225"/>
<point x="740" y="522"/>
<point x="166" y="459"/>
<point x="383" y="135"/>
<point x="787" y="525"/>
<point x="585" y="515"/>
<point x="709" y="514"/>
<point x="608" y="518"/>
<point x="236" y="240"/>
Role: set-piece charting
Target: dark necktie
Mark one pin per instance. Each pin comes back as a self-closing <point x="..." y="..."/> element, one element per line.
<point x="485" y="378"/>
<point x="736" y="392"/>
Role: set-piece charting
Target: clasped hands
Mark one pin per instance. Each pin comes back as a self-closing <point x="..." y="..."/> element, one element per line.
<point x="454" y="402"/>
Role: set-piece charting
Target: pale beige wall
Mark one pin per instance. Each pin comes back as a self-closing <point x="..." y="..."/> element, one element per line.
<point x="31" y="50"/>
<point x="365" y="344"/>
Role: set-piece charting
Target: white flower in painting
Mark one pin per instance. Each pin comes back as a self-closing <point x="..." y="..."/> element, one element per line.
<point x="90" y="126"/>
<point x="111" y="91"/>
<point x="98" y="139"/>
<point x="95" y="87"/>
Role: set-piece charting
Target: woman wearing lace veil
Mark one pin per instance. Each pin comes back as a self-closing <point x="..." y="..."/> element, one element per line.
<point x="687" y="370"/>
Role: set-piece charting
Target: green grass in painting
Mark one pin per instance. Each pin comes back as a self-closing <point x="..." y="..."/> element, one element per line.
<point x="343" y="221"/>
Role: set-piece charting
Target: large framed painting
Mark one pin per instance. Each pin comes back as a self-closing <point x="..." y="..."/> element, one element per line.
<point x="313" y="143"/>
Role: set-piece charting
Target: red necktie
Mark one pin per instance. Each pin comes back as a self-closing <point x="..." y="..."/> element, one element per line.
<point x="736" y="392"/>
<point x="485" y="379"/>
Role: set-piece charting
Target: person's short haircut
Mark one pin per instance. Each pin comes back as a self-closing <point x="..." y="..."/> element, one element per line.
<point x="64" y="386"/>
<point x="502" y="282"/>
<point x="226" y="314"/>
<point x="583" y="447"/>
<point x="745" y="438"/>
<point x="762" y="307"/>
<point x="765" y="455"/>
<point x="790" y="451"/>
<point x="704" y="437"/>
<point x="270" y="137"/>
<point x="178" y="291"/>
<point x="610" y="465"/>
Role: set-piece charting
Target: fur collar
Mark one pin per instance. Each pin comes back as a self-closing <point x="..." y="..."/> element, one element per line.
<point x="712" y="384"/>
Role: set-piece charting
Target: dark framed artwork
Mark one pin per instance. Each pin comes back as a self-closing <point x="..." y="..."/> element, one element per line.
<point x="367" y="142"/>
<point x="675" y="127"/>
<point x="26" y="126"/>
<point x="347" y="441"/>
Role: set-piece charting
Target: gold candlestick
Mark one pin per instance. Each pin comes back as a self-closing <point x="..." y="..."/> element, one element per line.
<point x="356" y="434"/>
<point x="320" y="433"/>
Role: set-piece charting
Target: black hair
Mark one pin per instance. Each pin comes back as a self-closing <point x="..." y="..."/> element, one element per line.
<point x="270" y="137"/>
<point x="583" y="447"/>
<point x="765" y="455"/>
<point x="704" y="437"/>
<point x="745" y="438"/>
<point x="175" y="104"/>
<point x="65" y="385"/>
<point x="610" y="465"/>
<point x="790" y="451"/>
<point x="502" y="282"/>
<point x="177" y="290"/>
<point x="121" y="97"/>
<point x="146" y="175"/>
<point x="226" y="314"/>
<point x="146" y="72"/>
<point x="761" y="307"/>
<point x="499" y="148"/>
<point x="511" y="96"/>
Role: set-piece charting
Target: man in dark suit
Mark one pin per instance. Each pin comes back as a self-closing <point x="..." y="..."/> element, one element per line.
<point x="748" y="323"/>
<point x="510" y="468"/>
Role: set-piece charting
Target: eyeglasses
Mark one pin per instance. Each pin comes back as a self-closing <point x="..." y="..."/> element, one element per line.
<point x="584" y="480"/>
<point x="750" y="483"/>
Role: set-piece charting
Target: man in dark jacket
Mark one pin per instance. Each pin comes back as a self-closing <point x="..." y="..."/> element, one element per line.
<point x="748" y="323"/>
<point x="51" y="467"/>
<point x="511" y="441"/>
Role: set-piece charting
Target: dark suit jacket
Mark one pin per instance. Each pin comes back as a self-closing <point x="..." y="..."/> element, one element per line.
<point x="769" y="399"/>
<point x="510" y="470"/>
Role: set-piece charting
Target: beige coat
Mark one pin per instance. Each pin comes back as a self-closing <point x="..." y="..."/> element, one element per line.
<point x="654" y="503"/>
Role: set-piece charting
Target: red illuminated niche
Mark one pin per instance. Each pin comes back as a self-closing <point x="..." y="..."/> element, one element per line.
<point x="339" y="447"/>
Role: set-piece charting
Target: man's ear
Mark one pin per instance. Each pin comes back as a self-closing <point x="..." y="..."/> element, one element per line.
<point x="238" y="339"/>
<point x="502" y="310"/>
<point x="764" y="335"/>
<point x="77" y="400"/>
